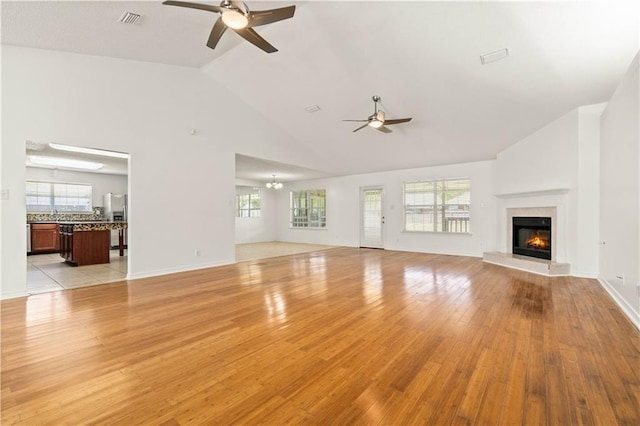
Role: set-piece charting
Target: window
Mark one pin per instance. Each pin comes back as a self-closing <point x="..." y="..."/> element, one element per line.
<point x="308" y="209"/>
<point x="248" y="202"/>
<point x="63" y="197"/>
<point x="437" y="205"/>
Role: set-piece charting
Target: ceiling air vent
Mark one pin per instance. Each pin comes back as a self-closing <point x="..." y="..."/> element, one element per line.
<point x="494" y="56"/>
<point x="129" y="18"/>
<point x="312" y="109"/>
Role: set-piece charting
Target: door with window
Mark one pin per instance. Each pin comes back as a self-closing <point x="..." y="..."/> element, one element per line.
<point x="372" y="217"/>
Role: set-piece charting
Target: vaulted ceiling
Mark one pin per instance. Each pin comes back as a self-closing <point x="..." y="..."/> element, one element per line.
<point x="422" y="58"/>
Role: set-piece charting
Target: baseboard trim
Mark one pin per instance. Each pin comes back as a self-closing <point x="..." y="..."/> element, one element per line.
<point x="149" y="274"/>
<point x="626" y="308"/>
<point x="13" y="295"/>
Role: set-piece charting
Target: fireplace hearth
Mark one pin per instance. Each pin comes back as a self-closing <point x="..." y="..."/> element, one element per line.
<point x="532" y="237"/>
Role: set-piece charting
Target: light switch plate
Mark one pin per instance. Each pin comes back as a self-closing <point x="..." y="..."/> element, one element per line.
<point x="4" y="194"/>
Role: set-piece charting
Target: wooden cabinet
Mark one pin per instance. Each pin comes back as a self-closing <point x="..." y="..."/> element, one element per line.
<point x="45" y="238"/>
<point x="84" y="247"/>
<point x="66" y="242"/>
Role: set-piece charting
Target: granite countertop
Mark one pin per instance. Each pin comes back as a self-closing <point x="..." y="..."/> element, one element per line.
<point x="88" y="225"/>
<point x="67" y="221"/>
<point x="95" y="225"/>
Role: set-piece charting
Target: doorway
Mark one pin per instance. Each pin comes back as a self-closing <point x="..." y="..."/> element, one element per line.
<point x="372" y="217"/>
<point x="67" y="183"/>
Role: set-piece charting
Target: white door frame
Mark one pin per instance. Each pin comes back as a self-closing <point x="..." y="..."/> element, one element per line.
<point x="364" y="243"/>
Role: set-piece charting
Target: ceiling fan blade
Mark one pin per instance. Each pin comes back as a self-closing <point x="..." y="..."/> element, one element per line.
<point x="263" y="17"/>
<point x="383" y="129"/>
<point x="397" y="120"/>
<point x="358" y="121"/>
<point x="206" y="7"/>
<point x="361" y="127"/>
<point x="240" y="6"/>
<point x="216" y="32"/>
<point x="252" y="36"/>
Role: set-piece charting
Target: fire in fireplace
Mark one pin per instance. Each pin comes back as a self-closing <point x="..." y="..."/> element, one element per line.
<point x="532" y="237"/>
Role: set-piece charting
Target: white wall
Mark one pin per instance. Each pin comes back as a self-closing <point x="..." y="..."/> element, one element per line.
<point x="343" y="211"/>
<point x="588" y="203"/>
<point x="620" y="194"/>
<point x="259" y="229"/>
<point x="541" y="170"/>
<point x="101" y="183"/>
<point x="546" y="159"/>
<point x="181" y="186"/>
<point x="556" y="166"/>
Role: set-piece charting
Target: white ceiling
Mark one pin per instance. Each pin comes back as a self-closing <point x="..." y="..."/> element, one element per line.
<point x="422" y="58"/>
<point x="110" y="165"/>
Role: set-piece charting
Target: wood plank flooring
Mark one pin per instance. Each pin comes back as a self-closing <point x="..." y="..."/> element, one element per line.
<point x="339" y="336"/>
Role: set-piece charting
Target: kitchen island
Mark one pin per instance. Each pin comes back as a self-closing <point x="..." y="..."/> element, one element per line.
<point x="88" y="243"/>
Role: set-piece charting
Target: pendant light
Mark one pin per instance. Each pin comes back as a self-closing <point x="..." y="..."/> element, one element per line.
<point x="274" y="184"/>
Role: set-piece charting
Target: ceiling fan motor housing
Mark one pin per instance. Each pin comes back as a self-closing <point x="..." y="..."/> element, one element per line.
<point x="236" y="16"/>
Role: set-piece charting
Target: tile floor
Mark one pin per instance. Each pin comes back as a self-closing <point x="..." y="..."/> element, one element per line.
<point x="48" y="272"/>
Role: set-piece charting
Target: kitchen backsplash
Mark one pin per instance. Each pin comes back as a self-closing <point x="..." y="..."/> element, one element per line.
<point x="98" y="214"/>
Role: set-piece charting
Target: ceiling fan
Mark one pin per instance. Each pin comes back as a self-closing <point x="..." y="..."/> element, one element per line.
<point x="236" y="15"/>
<point x="377" y="120"/>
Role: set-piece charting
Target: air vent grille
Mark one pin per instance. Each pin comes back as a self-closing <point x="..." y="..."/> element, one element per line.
<point x="129" y="18"/>
<point x="494" y="56"/>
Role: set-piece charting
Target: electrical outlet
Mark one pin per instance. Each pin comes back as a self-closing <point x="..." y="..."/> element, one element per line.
<point x="197" y="252"/>
<point x="4" y="194"/>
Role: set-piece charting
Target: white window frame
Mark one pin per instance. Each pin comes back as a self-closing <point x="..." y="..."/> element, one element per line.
<point x="248" y="210"/>
<point x="58" y="197"/>
<point x="437" y="212"/>
<point x="305" y="211"/>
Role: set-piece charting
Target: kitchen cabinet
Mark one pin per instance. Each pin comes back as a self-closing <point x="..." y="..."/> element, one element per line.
<point x="84" y="247"/>
<point x="45" y="238"/>
<point x="66" y="242"/>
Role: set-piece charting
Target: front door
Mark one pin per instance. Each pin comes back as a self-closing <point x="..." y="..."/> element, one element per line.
<point x="372" y="217"/>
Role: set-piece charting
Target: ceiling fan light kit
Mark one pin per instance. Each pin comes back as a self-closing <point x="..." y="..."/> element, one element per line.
<point x="234" y="19"/>
<point x="236" y="16"/>
<point x="378" y="120"/>
<point x="375" y="123"/>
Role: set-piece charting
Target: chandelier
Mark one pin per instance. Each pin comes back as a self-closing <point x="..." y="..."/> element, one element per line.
<point x="274" y="184"/>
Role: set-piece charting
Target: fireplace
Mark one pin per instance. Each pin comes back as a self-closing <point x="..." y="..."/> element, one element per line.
<point x="532" y="237"/>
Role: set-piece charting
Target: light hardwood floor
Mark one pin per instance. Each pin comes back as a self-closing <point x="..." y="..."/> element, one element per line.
<point x="339" y="336"/>
<point x="48" y="272"/>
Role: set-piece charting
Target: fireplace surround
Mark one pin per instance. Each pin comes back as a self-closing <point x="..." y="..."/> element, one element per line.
<point x="531" y="236"/>
<point x="545" y="203"/>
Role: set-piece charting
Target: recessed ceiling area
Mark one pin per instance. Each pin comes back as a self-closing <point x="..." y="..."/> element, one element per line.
<point x="423" y="58"/>
<point x="259" y="170"/>
<point x="110" y="165"/>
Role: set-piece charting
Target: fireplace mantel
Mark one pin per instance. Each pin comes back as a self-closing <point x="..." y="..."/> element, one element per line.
<point x="543" y="192"/>
<point x="548" y="202"/>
